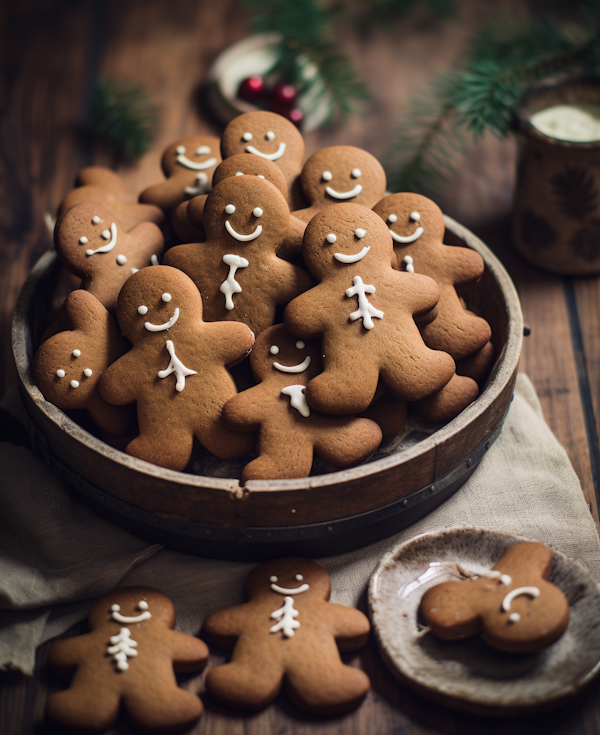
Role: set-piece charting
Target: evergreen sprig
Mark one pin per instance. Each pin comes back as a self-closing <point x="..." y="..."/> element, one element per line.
<point x="124" y="118"/>
<point x="482" y="93"/>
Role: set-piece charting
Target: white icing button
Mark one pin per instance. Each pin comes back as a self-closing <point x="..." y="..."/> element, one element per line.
<point x="356" y="173"/>
<point x="240" y="173"/>
<point x="273" y="578"/>
<point x="74" y="384"/>
<point x="106" y="234"/>
<point x="60" y="373"/>
<point x="143" y="605"/>
<point x="393" y="218"/>
<point x="88" y="372"/>
<point x="331" y="237"/>
<point x="299" y="577"/>
<point x="327" y="176"/>
<point x="96" y="220"/>
<point x="166" y="297"/>
<point x="415" y="216"/>
<point x="180" y="149"/>
<point x="142" y="309"/>
<point x="247" y="136"/>
<point x="121" y="259"/>
<point x="270" y="135"/>
<point x="257" y="212"/>
<point x="83" y="240"/>
<point x="300" y="344"/>
<point x="274" y="350"/>
<point x="76" y="353"/>
<point x="202" y="150"/>
<point x="514" y="617"/>
<point x="230" y="209"/>
<point x="360" y="233"/>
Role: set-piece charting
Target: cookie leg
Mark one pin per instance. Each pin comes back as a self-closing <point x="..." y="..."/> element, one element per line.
<point x="163" y="450"/>
<point x="171" y="709"/>
<point x="226" y="443"/>
<point x="83" y="707"/>
<point x="340" y="392"/>
<point x="450" y="401"/>
<point x="347" y="444"/>
<point x="289" y="462"/>
<point x="243" y="685"/>
<point x="333" y="689"/>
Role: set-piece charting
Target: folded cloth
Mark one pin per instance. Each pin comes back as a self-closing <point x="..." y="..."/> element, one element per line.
<point x="57" y="555"/>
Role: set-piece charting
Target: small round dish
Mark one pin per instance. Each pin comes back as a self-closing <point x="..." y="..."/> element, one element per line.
<point x="469" y="675"/>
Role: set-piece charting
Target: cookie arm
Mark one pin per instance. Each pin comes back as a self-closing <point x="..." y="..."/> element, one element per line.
<point x="243" y="412"/>
<point x="150" y="237"/>
<point x="350" y="627"/>
<point x="223" y="627"/>
<point x="232" y="341"/>
<point x="117" y="384"/>
<point x="67" y="654"/>
<point x="189" y="653"/>
<point x="466" y="266"/>
<point x="302" y="318"/>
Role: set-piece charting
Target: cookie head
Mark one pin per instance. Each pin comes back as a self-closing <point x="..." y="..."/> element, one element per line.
<point x="158" y="300"/>
<point x="411" y="218"/>
<point x="243" y="165"/>
<point x="280" y="356"/>
<point x="266" y="135"/>
<point x="196" y="154"/>
<point x="131" y="606"/>
<point x="343" y="174"/>
<point x="66" y="369"/>
<point x="246" y="210"/>
<point x="293" y="577"/>
<point x="346" y="237"/>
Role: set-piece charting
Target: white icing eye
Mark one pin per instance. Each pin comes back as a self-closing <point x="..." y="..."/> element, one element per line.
<point x="106" y="234"/>
<point x="260" y="176"/>
<point x="76" y="353"/>
<point x="247" y="136"/>
<point x="60" y="373"/>
<point x="360" y="233"/>
<point x="273" y="578"/>
<point x="331" y="237"/>
<point x="270" y="135"/>
<point x="415" y="216"/>
<point x="88" y="372"/>
<point x="274" y="350"/>
<point x="300" y="344"/>
<point x="240" y="173"/>
<point x="142" y="604"/>
<point x="299" y="578"/>
<point x="393" y="218"/>
<point x="83" y="240"/>
<point x="115" y="607"/>
<point x="96" y="220"/>
<point x="121" y="259"/>
<point x="142" y="310"/>
<point x="74" y="384"/>
<point x="327" y="176"/>
<point x="257" y="212"/>
<point x="202" y="150"/>
<point x="230" y="209"/>
<point x="356" y="173"/>
<point x="180" y="150"/>
<point x="166" y="297"/>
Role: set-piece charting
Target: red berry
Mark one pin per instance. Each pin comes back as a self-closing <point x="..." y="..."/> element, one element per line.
<point x="284" y="94"/>
<point x="251" y="89"/>
<point x="296" y="116"/>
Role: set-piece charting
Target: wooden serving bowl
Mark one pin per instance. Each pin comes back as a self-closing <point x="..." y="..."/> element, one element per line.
<point x="315" y="516"/>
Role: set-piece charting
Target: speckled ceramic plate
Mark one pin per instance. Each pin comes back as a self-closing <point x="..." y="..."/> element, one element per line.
<point x="469" y="675"/>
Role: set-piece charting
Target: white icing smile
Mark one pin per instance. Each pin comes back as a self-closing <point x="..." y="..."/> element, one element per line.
<point x="415" y="216"/>
<point x="184" y="161"/>
<point x="269" y="156"/>
<point x="344" y="194"/>
<point x="288" y="590"/>
<point x="145" y="615"/>
<point x="243" y="238"/>
<point x="351" y="258"/>
<point x="529" y="591"/>
<point x="300" y="368"/>
<point x="109" y="245"/>
<point x="161" y="327"/>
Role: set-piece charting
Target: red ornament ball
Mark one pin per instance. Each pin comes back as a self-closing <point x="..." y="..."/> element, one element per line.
<point x="283" y="95"/>
<point x="296" y="116"/>
<point x="251" y="89"/>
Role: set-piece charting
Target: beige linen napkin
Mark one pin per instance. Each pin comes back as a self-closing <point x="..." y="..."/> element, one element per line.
<point x="57" y="556"/>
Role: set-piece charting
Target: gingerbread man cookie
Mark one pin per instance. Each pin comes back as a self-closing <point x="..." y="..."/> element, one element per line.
<point x="289" y="635"/>
<point x="364" y="311"/>
<point x="176" y="371"/>
<point x="67" y="367"/>
<point x="94" y="245"/>
<point x="341" y="173"/>
<point x="416" y="225"/>
<point x="289" y="431"/>
<point x="128" y="659"/>
<point x="98" y="185"/>
<point x="189" y="165"/>
<point x="513" y="606"/>
<point x="272" y="137"/>
<point x="237" y="270"/>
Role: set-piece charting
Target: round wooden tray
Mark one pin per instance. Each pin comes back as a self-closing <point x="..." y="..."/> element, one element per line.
<point x="315" y="516"/>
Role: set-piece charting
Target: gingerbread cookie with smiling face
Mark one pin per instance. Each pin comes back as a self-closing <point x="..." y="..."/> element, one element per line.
<point x="288" y="635"/>
<point x="364" y="312"/>
<point x="128" y="660"/>
<point x="513" y="607"/>
<point x="94" y="245"/>
<point x="271" y="137"/>
<point x="416" y="225"/>
<point x="176" y="371"/>
<point x="288" y="430"/>
<point x="67" y="367"/>
<point x="98" y="185"/>
<point x="188" y="165"/>
<point x="237" y="270"/>
<point x="341" y="173"/>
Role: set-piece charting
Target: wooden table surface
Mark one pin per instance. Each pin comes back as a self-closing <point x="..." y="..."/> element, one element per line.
<point x="51" y="54"/>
